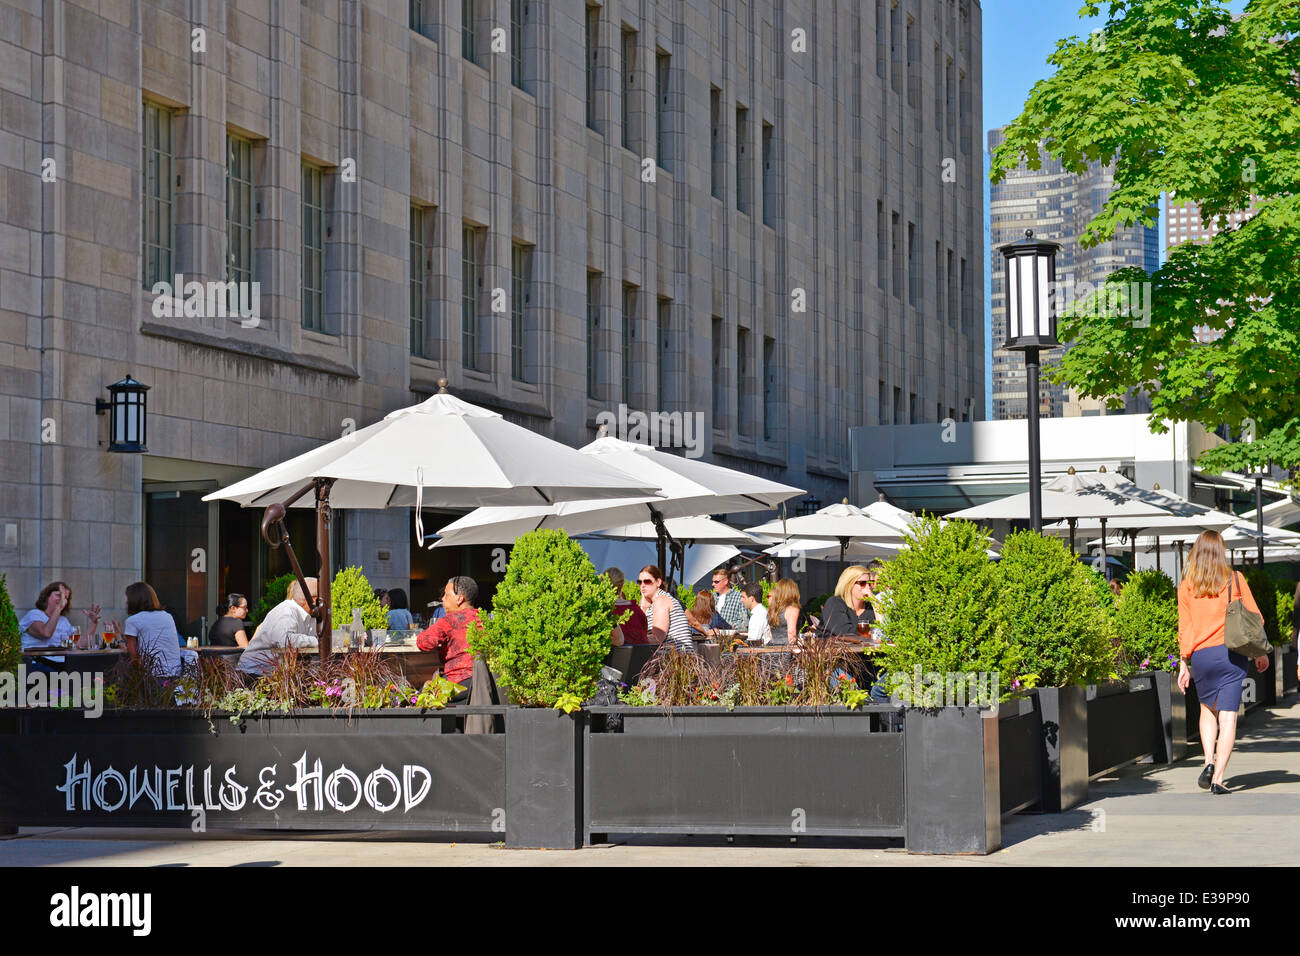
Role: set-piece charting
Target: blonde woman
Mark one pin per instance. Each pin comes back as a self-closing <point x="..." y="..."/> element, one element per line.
<point x="1202" y="608"/>
<point x="783" y="612"/>
<point x="851" y="604"/>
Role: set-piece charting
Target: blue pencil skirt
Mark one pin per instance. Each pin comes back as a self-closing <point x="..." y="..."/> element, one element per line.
<point x="1218" y="674"/>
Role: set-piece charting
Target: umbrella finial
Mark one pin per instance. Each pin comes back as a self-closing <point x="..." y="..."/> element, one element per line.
<point x="1156" y="486"/>
<point x="880" y="496"/>
<point x="442" y="386"/>
<point x="1101" y="470"/>
<point x="844" y="501"/>
<point x="1070" y="470"/>
<point x="602" y="430"/>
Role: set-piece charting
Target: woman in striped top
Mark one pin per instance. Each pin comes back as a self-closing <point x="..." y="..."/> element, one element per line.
<point x="668" y="622"/>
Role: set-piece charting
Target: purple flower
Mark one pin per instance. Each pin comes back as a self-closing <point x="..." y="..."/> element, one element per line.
<point x="1015" y="684"/>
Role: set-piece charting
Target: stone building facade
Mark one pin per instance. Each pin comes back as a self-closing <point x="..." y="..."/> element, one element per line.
<point x="765" y="213"/>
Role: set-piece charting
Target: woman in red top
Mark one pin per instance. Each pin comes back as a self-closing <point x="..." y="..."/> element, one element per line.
<point x="1218" y="672"/>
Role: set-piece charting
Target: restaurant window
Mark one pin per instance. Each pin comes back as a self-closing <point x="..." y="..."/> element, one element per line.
<point x="158" y="191"/>
<point x="593" y="331"/>
<point x="592" y="59"/>
<point x="239" y="209"/>
<point x="629" y="86"/>
<point x="313" y="248"/>
<point x="629" y="340"/>
<point x="421" y="267"/>
<point x="471" y="283"/>
<point x="521" y="263"/>
<point x="719" y="161"/>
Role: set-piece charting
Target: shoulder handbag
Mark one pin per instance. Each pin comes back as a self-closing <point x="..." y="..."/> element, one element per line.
<point x="1243" y="629"/>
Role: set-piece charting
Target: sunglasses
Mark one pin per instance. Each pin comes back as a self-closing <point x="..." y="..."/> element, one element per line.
<point x="861" y="584"/>
<point x="645" y="581"/>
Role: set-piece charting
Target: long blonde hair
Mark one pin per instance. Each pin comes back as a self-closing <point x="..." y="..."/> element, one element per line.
<point x="1207" y="566"/>
<point x="784" y="594"/>
<point x="844" y="586"/>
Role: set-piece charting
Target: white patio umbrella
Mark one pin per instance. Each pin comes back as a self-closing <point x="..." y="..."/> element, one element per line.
<point x="1070" y="497"/>
<point x="840" y="522"/>
<point x="687" y="487"/>
<point x="442" y="452"/>
<point x="700" y="529"/>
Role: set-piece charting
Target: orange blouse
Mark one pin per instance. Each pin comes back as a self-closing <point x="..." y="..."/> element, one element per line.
<point x="1200" y="619"/>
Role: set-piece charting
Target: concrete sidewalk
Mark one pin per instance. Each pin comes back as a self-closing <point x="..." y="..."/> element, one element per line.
<point x="1141" y="816"/>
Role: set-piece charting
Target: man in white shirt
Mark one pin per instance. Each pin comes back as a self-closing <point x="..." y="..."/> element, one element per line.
<point x="288" y="624"/>
<point x="759" y="630"/>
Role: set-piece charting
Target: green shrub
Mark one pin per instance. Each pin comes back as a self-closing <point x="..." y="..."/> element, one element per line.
<point x="548" y="635"/>
<point x="631" y="591"/>
<point x="687" y="596"/>
<point x="1285" y="610"/>
<point x="939" y="594"/>
<point x="272" y="594"/>
<point x="1050" y="608"/>
<point x="10" y="637"/>
<point x="1146" y="622"/>
<point x="349" y="590"/>
<point x="1264" y="591"/>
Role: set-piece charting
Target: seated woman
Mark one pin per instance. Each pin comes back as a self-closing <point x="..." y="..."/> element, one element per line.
<point x="228" y="631"/>
<point x="151" y="635"/>
<point x="704" y="617"/>
<point x="47" y="624"/>
<point x="399" y="611"/>
<point x="783" y="612"/>
<point x="668" y="625"/>
<point x="850" y="606"/>
<point x="634" y="629"/>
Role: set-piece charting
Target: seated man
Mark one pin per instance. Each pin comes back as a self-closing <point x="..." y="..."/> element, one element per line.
<point x="288" y="624"/>
<point x="447" y="634"/>
<point x="760" y="632"/>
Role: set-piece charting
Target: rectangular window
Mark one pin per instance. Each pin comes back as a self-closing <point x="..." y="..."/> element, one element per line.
<point x="593" y="330"/>
<point x="743" y="383"/>
<point x="913" y="65"/>
<point x="629" y="87"/>
<point x="882" y="245"/>
<point x="965" y="298"/>
<point x="896" y="254"/>
<point x="963" y="105"/>
<point x="663" y="350"/>
<point x="913" y="410"/>
<point x="882" y="39"/>
<point x="898" y="406"/>
<point x="471" y="285"/>
<point x="593" y="50"/>
<point x="518" y="12"/>
<point x="882" y="403"/>
<point x="913" y="266"/>
<point x="420" y="269"/>
<point x="952" y="292"/>
<point x="896" y="46"/>
<point x="769" y="388"/>
<point x="950" y="99"/>
<point x="938" y="283"/>
<point x="938" y="89"/>
<point x="239" y="209"/>
<point x="719" y="387"/>
<point x="469" y="30"/>
<point x="719" y="154"/>
<point x="629" y="340"/>
<point x="663" y="72"/>
<point x="158" y="192"/>
<point x="742" y="155"/>
<point x="521" y="264"/>
<point x="313" y="248"/>
<point x="769" y="176"/>
<point x="418" y="17"/>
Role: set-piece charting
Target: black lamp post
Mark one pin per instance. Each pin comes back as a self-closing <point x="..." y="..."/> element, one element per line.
<point x="1031" y="326"/>
<point x="127" y="406"/>
<point x="1259" y="476"/>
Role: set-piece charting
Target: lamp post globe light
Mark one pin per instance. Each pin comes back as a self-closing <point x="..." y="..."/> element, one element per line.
<point x="1030" y="266"/>
<point x="127" y="406"/>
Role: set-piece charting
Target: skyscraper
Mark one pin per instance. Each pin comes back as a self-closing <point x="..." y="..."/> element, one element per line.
<point x="1056" y="205"/>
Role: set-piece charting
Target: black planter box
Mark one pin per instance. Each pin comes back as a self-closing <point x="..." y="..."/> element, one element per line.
<point x="752" y="770"/>
<point x="313" y="769"/>
<point x="544" y="778"/>
<point x="953" y="780"/>
<point x="1020" y="738"/>
<point x="1290" y="682"/>
<point x="1063" y="750"/>
<point x="1124" y="724"/>
<point x="1173" y="716"/>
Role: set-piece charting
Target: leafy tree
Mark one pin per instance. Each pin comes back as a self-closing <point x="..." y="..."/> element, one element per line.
<point x="10" y="637"/>
<point x="1187" y="101"/>
<point x="548" y="634"/>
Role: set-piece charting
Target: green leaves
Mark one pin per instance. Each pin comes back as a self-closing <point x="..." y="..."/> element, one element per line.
<point x="1146" y="622"/>
<point x="10" y="637"/>
<point x="1188" y="102"/>
<point x="548" y="634"/>
<point x="349" y="590"/>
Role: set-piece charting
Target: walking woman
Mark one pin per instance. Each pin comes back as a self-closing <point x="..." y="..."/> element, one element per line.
<point x="668" y="622"/>
<point x="1203" y="599"/>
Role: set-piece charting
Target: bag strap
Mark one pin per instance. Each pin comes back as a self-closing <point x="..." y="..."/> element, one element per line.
<point x="1232" y="575"/>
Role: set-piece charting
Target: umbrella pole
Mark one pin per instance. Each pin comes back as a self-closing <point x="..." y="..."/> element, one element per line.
<point x="1105" y="569"/>
<point x="1133" y="550"/>
<point x="1157" y="551"/>
<point x="324" y="518"/>
<point x="844" y="547"/>
<point x="1073" y="523"/>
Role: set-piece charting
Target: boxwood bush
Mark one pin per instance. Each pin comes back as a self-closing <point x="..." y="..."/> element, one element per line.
<point x="1285" y="609"/>
<point x="1264" y="590"/>
<point x="1051" y="610"/>
<point x="548" y="634"/>
<point x="10" y="637"/>
<point x="349" y="590"/>
<point x="1146" y="622"/>
<point x="939" y="596"/>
